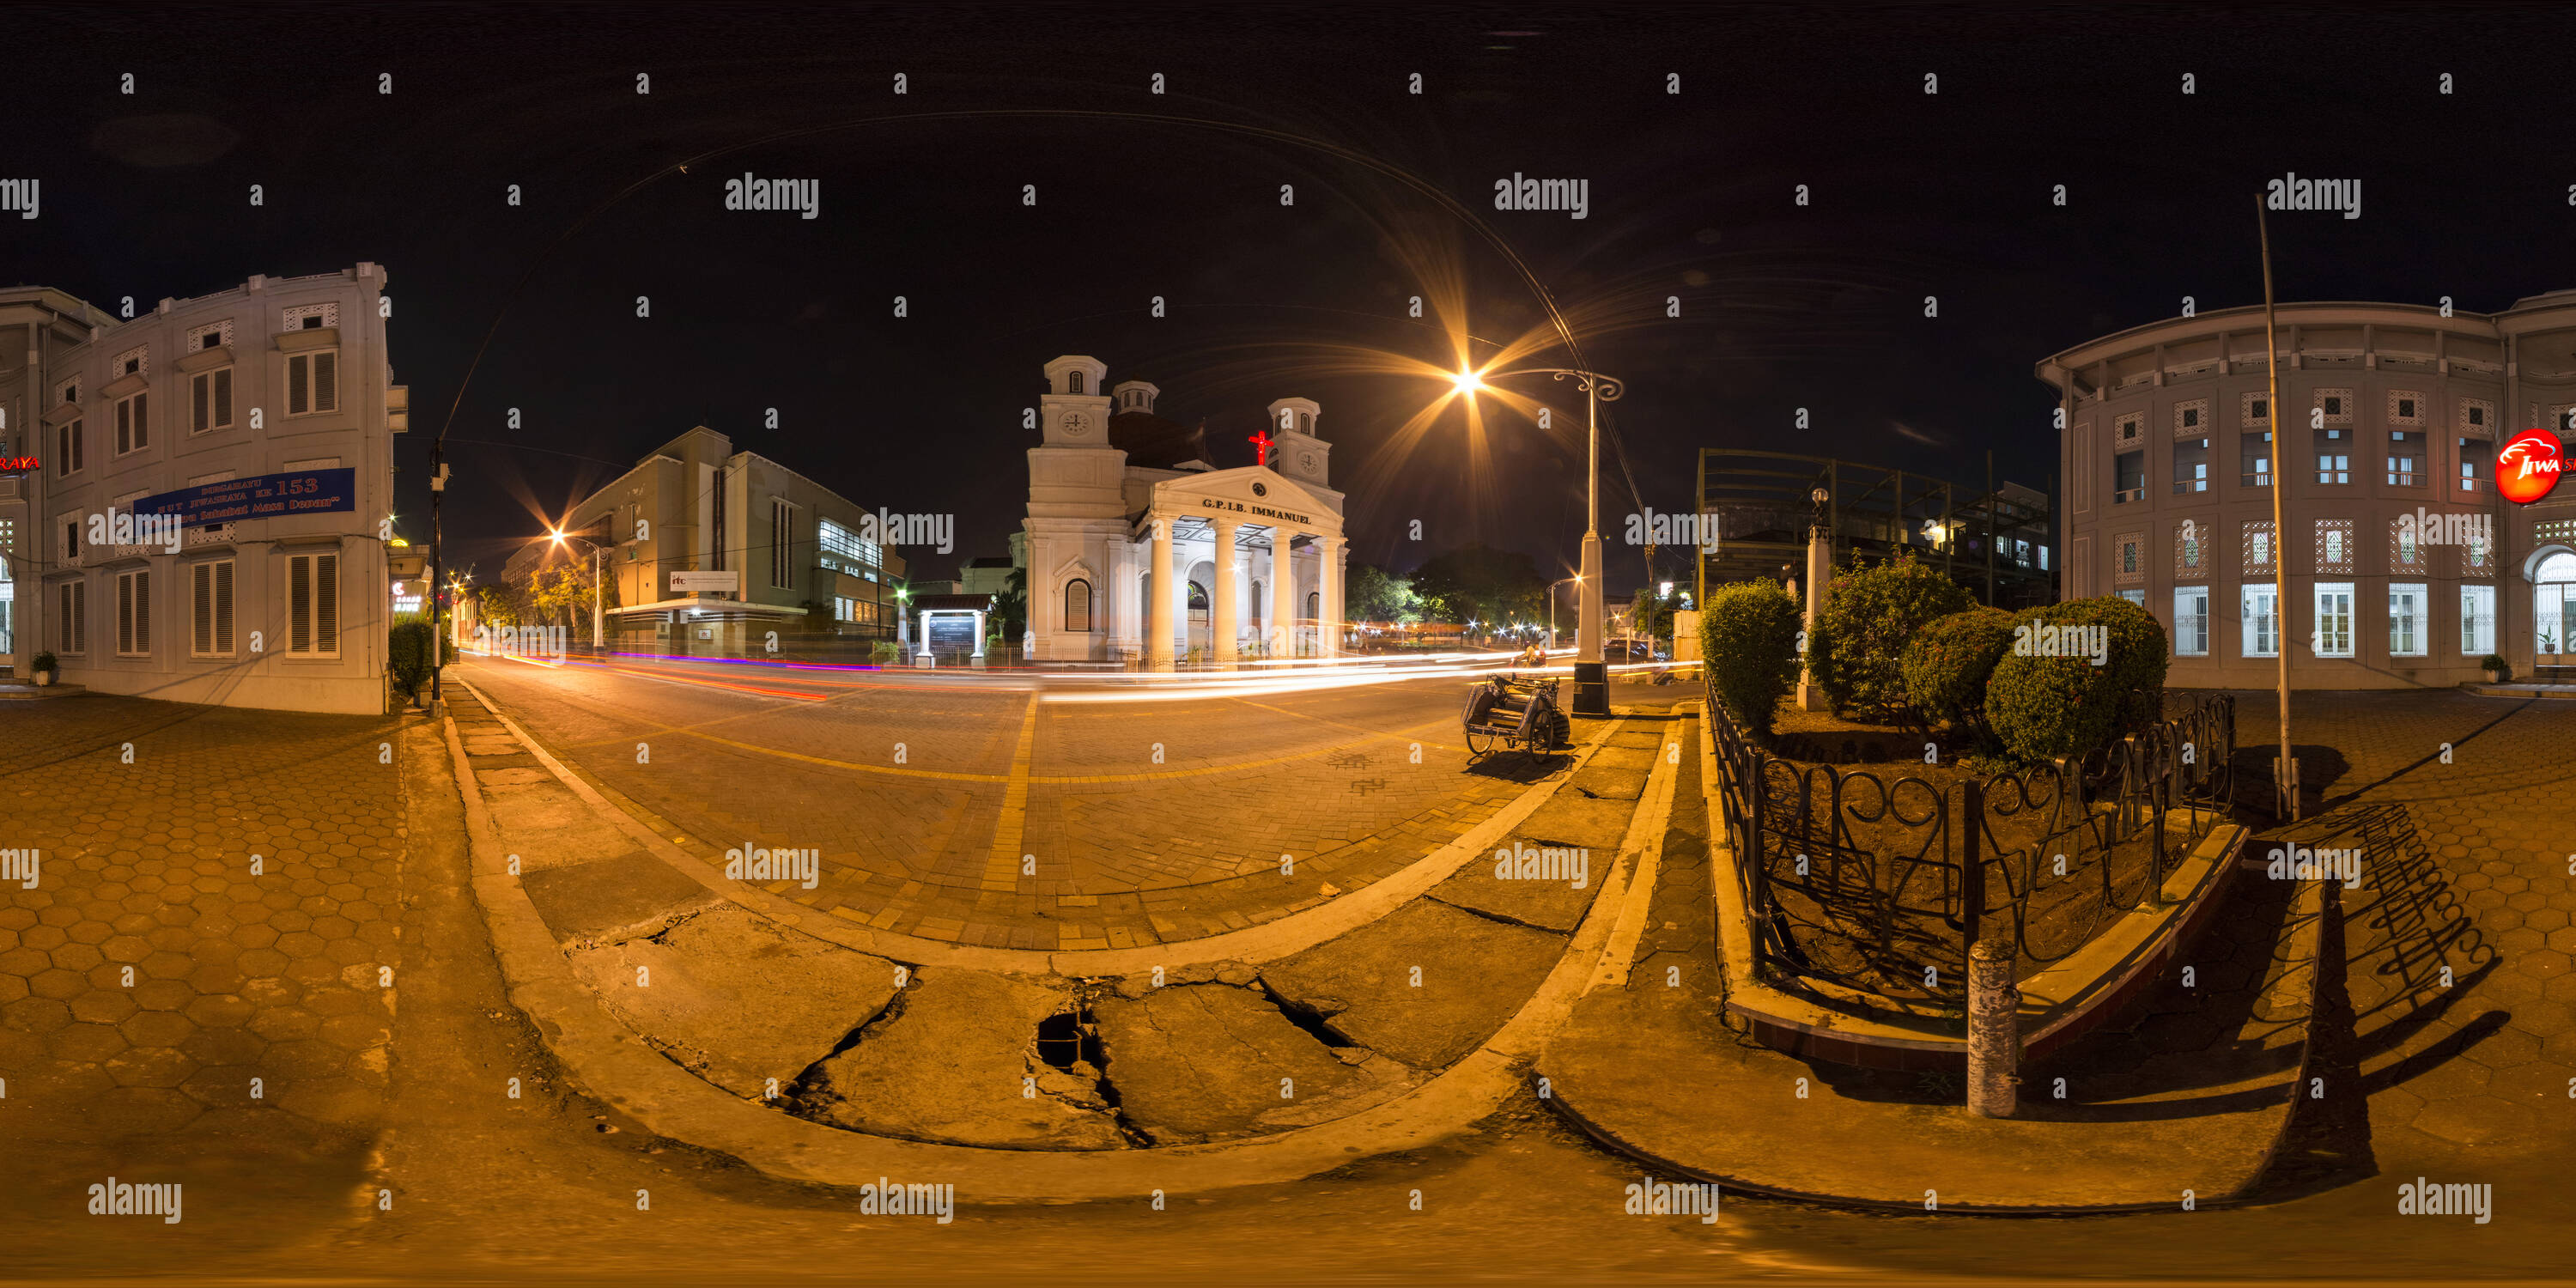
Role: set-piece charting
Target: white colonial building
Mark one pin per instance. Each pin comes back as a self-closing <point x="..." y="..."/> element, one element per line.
<point x="1140" y="550"/>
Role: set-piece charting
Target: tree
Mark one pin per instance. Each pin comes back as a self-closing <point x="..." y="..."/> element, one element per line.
<point x="1376" y="595"/>
<point x="496" y="606"/>
<point x="1652" y="615"/>
<point x="1011" y="607"/>
<point x="1481" y="584"/>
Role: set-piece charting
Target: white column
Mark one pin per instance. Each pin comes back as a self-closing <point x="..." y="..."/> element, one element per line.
<point x="1158" y="621"/>
<point x="1225" y="608"/>
<point x="979" y="635"/>
<point x="1284" y="603"/>
<point x="1328" y="584"/>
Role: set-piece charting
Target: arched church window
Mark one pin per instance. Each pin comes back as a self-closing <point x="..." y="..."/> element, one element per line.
<point x="1198" y="597"/>
<point x="1305" y="422"/>
<point x="1077" y="605"/>
<point x="1073" y="382"/>
<point x="1314" y="603"/>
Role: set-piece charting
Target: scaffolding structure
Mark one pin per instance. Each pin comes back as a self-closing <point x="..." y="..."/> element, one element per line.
<point x="1997" y="544"/>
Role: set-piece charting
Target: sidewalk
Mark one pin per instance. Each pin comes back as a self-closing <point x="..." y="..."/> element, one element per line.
<point x="825" y="1049"/>
<point x="2195" y="1096"/>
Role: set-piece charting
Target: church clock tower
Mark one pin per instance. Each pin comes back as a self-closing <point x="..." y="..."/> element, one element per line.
<point x="1297" y="453"/>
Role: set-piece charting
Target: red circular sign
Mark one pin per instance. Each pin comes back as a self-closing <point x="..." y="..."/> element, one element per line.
<point x="2527" y="466"/>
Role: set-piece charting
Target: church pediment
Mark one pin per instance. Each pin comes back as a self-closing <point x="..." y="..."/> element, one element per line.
<point x="1250" y="494"/>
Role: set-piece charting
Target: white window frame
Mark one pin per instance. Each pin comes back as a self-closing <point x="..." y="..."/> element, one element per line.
<point x="134" y="426"/>
<point x="2477" y="621"/>
<point x="2333" y="635"/>
<point x="74" y="441"/>
<point x="2408" y="627"/>
<point x="134" y="613"/>
<point x="2137" y="597"/>
<point x="2259" y="616"/>
<point x="212" y="390"/>
<point x="1090" y="615"/>
<point x="2191" y="621"/>
<point x="320" y="570"/>
<point x="212" y="586"/>
<point x="320" y="397"/>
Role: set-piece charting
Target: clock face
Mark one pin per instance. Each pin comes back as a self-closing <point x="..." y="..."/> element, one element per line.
<point x="1076" y="424"/>
<point x="1306" y="461"/>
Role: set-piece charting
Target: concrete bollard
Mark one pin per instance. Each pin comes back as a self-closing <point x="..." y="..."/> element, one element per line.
<point x="1994" y="1030"/>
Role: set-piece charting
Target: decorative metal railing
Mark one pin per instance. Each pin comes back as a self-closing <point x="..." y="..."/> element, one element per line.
<point x="1880" y="881"/>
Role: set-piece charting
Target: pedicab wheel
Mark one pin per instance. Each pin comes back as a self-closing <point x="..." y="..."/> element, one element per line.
<point x="1479" y="743"/>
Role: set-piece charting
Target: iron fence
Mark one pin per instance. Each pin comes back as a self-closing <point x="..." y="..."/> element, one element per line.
<point x="1880" y="882"/>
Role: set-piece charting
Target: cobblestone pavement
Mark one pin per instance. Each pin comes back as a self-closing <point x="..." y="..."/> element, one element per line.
<point x="219" y="912"/>
<point x="971" y="812"/>
<point x="2461" y="1025"/>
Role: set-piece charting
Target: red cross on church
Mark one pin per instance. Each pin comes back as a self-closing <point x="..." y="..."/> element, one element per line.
<point x="1261" y="441"/>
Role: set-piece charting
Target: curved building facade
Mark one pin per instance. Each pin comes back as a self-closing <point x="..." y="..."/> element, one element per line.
<point x="2405" y="566"/>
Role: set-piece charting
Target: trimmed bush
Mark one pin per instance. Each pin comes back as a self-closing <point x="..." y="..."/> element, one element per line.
<point x="1748" y="633"/>
<point x="2047" y="707"/>
<point x="1857" y="649"/>
<point x="1949" y="662"/>
<point x="886" y="653"/>
<point x="408" y="646"/>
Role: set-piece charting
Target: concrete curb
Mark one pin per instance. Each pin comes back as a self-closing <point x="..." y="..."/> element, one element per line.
<point x="1287" y="936"/>
<point x="618" y="1067"/>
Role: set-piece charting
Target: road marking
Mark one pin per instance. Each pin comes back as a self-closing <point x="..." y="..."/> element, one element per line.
<point x="1002" y="862"/>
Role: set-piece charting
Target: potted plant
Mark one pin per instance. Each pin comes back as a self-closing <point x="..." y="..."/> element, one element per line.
<point x="2495" y="668"/>
<point x="43" y="669"/>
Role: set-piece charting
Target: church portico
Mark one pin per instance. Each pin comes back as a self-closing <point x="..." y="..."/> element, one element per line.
<point x="1141" y="552"/>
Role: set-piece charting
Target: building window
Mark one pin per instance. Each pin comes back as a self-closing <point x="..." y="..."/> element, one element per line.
<point x="2191" y="417"/>
<point x="133" y="423"/>
<point x="134" y="613"/>
<point x="2334" y="545"/>
<point x="2405" y="457"/>
<point x="2191" y="621"/>
<point x="2473" y="465"/>
<point x="1077" y="605"/>
<point x="2477" y="621"/>
<point x="68" y="460"/>
<point x="843" y="550"/>
<point x="2334" y="456"/>
<point x="313" y="605"/>
<point x="2477" y="413"/>
<point x="1315" y="605"/>
<point x="2128" y="431"/>
<point x="2254" y="456"/>
<point x="2258" y="546"/>
<point x="2262" y="634"/>
<point x="312" y="382"/>
<point x="782" y="543"/>
<point x="2191" y="465"/>
<point x="210" y="400"/>
<point x="2129" y="477"/>
<point x="2137" y="597"/>
<point x="1073" y="382"/>
<point x="2334" y="619"/>
<point x="2133" y="559"/>
<point x="71" y="620"/>
<point x="2405" y="546"/>
<point x="2187" y="549"/>
<point x="2407" y="633"/>
<point x="210" y="592"/>
<point x="2254" y="411"/>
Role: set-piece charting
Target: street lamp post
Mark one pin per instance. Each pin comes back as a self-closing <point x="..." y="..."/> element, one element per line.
<point x="1591" y="675"/>
<point x="1551" y="608"/>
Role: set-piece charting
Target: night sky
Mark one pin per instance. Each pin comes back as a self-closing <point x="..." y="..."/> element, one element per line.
<point x="1692" y="195"/>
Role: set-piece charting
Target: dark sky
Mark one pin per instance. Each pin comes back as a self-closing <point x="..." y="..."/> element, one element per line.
<point x="1947" y="195"/>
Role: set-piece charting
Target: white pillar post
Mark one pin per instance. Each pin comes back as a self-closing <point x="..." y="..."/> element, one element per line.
<point x="1226" y="609"/>
<point x="1328" y="586"/>
<point x="1158" y="621"/>
<point x="1284" y="601"/>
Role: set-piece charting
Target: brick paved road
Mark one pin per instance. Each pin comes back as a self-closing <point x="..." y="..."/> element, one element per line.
<point x="1126" y="850"/>
<point x="151" y="976"/>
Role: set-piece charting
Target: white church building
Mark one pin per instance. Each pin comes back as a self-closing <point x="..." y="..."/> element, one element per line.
<point x="1140" y="550"/>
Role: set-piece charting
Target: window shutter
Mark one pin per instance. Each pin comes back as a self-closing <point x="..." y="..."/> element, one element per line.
<point x="298" y="392"/>
<point x="201" y="587"/>
<point x="326" y="381"/>
<point x="143" y="612"/>
<point x="224" y="607"/>
<point x="199" y="387"/>
<point x="125" y="614"/>
<point x="63" y="630"/>
<point x="326" y="603"/>
<point x="142" y="420"/>
<point x="223" y="398"/>
<point x="299" y="604"/>
<point x="124" y="427"/>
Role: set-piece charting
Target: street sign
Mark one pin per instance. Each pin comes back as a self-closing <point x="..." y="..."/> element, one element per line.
<point x="2528" y="465"/>
<point x="698" y="583"/>
<point x="266" y="496"/>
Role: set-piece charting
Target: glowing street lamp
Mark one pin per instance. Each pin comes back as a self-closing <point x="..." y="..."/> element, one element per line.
<point x="598" y="587"/>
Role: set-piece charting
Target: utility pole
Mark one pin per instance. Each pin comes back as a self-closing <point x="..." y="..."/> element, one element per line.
<point x="2285" y="771"/>
<point x="438" y="567"/>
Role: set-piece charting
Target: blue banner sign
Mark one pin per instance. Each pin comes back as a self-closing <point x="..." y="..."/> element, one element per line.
<point x="266" y="496"/>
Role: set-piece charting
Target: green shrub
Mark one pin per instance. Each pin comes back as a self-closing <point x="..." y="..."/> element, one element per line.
<point x="1950" y="660"/>
<point x="408" y="648"/>
<point x="1749" y="635"/>
<point x="44" y="662"/>
<point x="2046" y="707"/>
<point x="1856" y="652"/>
<point x="886" y="653"/>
